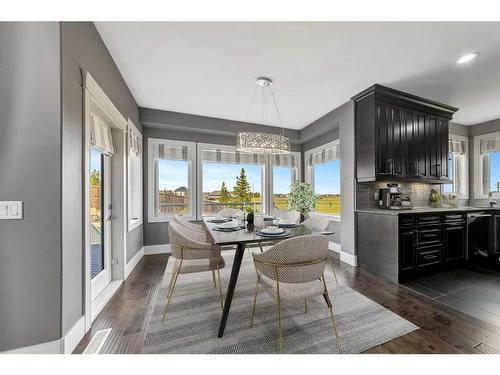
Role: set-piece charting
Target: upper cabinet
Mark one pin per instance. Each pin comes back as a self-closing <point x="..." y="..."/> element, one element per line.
<point x="400" y="136"/>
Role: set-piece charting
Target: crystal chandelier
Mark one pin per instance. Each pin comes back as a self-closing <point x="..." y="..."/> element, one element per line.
<point x="258" y="142"/>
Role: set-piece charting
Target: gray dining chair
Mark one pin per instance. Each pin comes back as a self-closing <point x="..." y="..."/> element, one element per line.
<point x="230" y="212"/>
<point x="192" y="254"/>
<point x="291" y="216"/>
<point x="318" y="223"/>
<point x="287" y="272"/>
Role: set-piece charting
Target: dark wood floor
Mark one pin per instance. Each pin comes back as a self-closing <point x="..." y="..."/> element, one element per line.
<point x="442" y="328"/>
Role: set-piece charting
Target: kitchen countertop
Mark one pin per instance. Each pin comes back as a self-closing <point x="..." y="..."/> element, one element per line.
<point x="423" y="210"/>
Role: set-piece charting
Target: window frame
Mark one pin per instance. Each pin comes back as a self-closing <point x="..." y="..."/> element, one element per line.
<point x="295" y="178"/>
<point x="309" y="175"/>
<point x="152" y="184"/>
<point x="199" y="175"/>
<point x="478" y="165"/>
<point x="132" y="224"/>
<point x="461" y="188"/>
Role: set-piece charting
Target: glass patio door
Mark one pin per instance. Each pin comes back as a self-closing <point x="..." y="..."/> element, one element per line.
<point x="100" y="221"/>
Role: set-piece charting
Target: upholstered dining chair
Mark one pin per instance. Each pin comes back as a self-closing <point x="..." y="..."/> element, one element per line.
<point x="318" y="223"/>
<point x="230" y="212"/>
<point x="287" y="272"/>
<point x="186" y="223"/>
<point x="192" y="254"/>
<point x="288" y="216"/>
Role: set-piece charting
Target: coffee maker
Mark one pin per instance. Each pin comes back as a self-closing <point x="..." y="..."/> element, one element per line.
<point x="394" y="198"/>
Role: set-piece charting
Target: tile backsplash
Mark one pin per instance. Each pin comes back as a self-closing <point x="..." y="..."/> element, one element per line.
<point x="419" y="193"/>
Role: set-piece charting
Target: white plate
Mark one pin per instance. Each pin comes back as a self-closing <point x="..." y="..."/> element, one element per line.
<point x="272" y="230"/>
<point x="229" y="224"/>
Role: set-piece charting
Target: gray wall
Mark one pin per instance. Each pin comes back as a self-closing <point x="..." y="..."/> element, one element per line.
<point x="83" y="49"/>
<point x="191" y="128"/>
<point x="30" y="170"/>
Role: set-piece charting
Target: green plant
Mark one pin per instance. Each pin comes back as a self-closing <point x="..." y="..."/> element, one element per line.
<point x="249" y="208"/>
<point x="302" y="198"/>
<point x="241" y="191"/>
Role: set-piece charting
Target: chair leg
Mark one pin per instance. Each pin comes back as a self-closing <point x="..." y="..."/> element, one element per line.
<point x="330" y="308"/>
<point x="213" y="279"/>
<point x="255" y="300"/>
<point x="172" y="290"/>
<point x="220" y="285"/>
<point x="280" y="327"/>
<point x="333" y="269"/>
<point x="261" y="249"/>
<point x="305" y="305"/>
<point x="170" y="282"/>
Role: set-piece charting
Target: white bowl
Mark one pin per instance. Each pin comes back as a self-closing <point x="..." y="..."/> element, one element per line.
<point x="272" y="230"/>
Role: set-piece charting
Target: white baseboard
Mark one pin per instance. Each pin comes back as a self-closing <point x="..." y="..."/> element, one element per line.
<point x="157" y="249"/>
<point x="344" y="257"/>
<point x="102" y="299"/>
<point x="51" y="347"/>
<point x="73" y="336"/>
<point x="129" y="267"/>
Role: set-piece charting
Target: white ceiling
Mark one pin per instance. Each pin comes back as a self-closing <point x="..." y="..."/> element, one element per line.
<point x="210" y="68"/>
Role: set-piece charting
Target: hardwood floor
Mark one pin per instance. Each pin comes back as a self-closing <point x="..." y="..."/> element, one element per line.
<point x="442" y="328"/>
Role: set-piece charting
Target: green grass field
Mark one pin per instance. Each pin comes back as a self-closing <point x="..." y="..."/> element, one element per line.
<point x="325" y="205"/>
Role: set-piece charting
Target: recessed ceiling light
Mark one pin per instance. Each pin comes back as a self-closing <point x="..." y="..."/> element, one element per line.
<point x="467" y="58"/>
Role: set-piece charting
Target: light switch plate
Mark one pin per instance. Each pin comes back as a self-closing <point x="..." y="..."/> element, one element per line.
<point x="11" y="210"/>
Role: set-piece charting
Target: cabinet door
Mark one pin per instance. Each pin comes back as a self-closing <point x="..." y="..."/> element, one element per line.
<point x="420" y="137"/>
<point x="383" y="152"/>
<point x="432" y="136"/>
<point x="454" y="240"/>
<point x="397" y="139"/>
<point x="443" y="147"/>
<point x="407" y="256"/>
<point x="390" y="137"/>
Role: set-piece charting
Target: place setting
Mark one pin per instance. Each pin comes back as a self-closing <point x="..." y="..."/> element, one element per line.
<point x="273" y="231"/>
<point x="228" y="226"/>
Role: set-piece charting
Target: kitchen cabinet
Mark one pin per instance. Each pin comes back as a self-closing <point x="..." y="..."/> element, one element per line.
<point x="454" y="236"/>
<point x="407" y="241"/>
<point x="401" y="137"/>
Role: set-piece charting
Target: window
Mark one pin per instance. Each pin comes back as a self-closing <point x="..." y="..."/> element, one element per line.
<point x="170" y="179"/>
<point x="323" y="173"/>
<point x="486" y="165"/>
<point x="457" y="167"/>
<point x="230" y="179"/>
<point x="285" y="171"/>
<point x="134" y="177"/>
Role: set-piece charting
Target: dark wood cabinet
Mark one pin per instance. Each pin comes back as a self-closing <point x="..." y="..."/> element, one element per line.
<point x="407" y="242"/>
<point x="400" y="136"/>
<point x="454" y="236"/>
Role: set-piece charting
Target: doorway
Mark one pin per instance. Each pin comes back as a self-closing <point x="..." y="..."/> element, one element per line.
<point x="100" y="221"/>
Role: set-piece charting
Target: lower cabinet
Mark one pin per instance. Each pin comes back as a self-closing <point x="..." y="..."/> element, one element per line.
<point x="426" y="244"/>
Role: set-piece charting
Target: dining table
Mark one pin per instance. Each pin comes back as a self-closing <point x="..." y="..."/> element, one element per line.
<point x="242" y="237"/>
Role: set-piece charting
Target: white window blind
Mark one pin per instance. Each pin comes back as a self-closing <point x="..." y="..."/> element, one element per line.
<point x="490" y="145"/>
<point x="231" y="157"/>
<point x="170" y="152"/>
<point x="100" y="135"/>
<point x="134" y="143"/>
<point x="457" y="147"/>
<point x="325" y="154"/>
<point x="285" y="160"/>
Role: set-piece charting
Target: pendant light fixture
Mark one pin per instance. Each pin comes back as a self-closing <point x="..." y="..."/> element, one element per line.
<point x="260" y="142"/>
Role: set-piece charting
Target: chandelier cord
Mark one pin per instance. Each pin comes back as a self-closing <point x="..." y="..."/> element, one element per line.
<point x="277" y="110"/>
<point x="251" y="103"/>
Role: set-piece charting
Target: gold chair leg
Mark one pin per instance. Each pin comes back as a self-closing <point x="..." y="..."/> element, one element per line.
<point x="213" y="279"/>
<point x="172" y="290"/>
<point x="305" y="305"/>
<point x="261" y="249"/>
<point x="332" y="315"/>
<point x="333" y="270"/>
<point x="170" y="283"/>
<point x="280" y="327"/>
<point x="255" y="300"/>
<point x="220" y="285"/>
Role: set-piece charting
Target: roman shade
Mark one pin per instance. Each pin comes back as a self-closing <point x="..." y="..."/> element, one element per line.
<point x="489" y="145"/>
<point x="231" y="157"/>
<point x="285" y="160"/>
<point x="100" y="135"/>
<point x="325" y="154"/>
<point x="457" y="147"/>
<point x="170" y="152"/>
<point x="134" y="143"/>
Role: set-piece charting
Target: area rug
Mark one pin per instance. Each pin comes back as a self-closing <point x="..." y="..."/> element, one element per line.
<point x="194" y="314"/>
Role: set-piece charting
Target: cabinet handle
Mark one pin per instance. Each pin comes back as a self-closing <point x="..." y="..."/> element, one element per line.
<point x="429" y="256"/>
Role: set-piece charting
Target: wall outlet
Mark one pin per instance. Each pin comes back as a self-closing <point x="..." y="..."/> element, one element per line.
<point x="11" y="210"/>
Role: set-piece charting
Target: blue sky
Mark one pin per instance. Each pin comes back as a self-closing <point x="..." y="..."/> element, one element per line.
<point x="214" y="174"/>
<point x="494" y="170"/>
<point x="95" y="159"/>
<point x="327" y="177"/>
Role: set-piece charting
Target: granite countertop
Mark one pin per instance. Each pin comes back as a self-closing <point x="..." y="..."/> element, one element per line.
<point x="422" y="210"/>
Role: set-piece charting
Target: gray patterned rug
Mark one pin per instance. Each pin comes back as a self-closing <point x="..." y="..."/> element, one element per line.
<point x="194" y="314"/>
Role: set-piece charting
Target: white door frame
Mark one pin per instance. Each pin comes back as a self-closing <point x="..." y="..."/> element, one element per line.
<point x="96" y="100"/>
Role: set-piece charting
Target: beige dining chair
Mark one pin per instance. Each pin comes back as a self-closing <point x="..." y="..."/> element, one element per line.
<point x="292" y="217"/>
<point x="192" y="254"/>
<point x="287" y="272"/>
<point x="230" y="212"/>
<point x="186" y="223"/>
<point x="318" y="223"/>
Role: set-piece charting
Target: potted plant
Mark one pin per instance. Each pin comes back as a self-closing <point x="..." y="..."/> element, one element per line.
<point x="250" y="216"/>
<point x="302" y="198"/>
